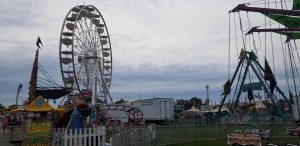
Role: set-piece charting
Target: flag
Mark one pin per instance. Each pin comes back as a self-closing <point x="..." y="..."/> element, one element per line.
<point x="227" y="88"/>
<point x="250" y="95"/>
<point x="291" y="97"/>
<point x="54" y="101"/>
<point x="38" y="42"/>
<point x="269" y="76"/>
<point x="19" y="89"/>
<point x="242" y="54"/>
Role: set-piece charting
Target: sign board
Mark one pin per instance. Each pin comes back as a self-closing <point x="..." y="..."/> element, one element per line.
<point x="252" y="86"/>
<point x="37" y="134"/>
<point x="39" y="105"/>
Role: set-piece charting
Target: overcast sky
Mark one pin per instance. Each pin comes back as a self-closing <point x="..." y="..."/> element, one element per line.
<point x="161" y="48"/>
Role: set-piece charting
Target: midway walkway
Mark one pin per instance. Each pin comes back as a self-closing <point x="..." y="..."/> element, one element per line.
<point x="4" y="139"/>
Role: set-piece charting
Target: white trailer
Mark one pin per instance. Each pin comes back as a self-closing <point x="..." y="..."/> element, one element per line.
<point x="296" y="108"/>
<point x="156" y="109"/>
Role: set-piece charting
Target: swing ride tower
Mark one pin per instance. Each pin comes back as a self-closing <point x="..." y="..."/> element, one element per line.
<point x="288" y="24"/>
<point x="248" y="60"/>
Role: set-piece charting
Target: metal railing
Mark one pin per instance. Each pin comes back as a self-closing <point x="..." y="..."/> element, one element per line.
<point x="137" y="136"/>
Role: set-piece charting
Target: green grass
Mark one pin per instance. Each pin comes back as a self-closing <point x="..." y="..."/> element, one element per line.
<point x="181" y="133"/>
<point x="222" y="142"/>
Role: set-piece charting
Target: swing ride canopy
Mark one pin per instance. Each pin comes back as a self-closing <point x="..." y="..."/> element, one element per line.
<point x="52" y="93"/>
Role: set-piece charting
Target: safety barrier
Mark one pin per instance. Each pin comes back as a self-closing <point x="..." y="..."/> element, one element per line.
<point x="137" y="136"/>
<point x="83" y="137"/>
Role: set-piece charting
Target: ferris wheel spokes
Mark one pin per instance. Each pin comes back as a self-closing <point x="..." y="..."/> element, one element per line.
<point x="85" y="52"/>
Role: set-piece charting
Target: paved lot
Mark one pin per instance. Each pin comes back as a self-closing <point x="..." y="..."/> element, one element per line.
<point x="4" y="139"/>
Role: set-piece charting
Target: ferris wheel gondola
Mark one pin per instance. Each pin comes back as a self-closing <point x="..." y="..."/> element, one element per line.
<point x="85" y="53"/>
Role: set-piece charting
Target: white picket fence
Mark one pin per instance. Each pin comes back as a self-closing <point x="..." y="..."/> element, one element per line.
<point x="79" y="137"/>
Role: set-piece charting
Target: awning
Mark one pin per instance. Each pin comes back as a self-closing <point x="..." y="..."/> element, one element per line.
<point x="39" y="105"/>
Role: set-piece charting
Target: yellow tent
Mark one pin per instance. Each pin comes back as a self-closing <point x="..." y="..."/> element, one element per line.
<point x="16" y="110"/>
<point x="59" y="109"/>
<point x="39" y="105"/>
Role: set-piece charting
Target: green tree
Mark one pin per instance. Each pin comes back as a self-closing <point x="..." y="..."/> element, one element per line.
<point x="2" y="106"/>
<point x="120" y="101"/>
<point x="194" y="101"/>
<point x="197" y="102"/>
<point x="186" y="103"/>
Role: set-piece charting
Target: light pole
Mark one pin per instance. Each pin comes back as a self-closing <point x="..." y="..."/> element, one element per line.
<point x="207" y="95"/>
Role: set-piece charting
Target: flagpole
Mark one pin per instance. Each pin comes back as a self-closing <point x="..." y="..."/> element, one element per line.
<point x="17" y="97"/>
<point x="18" y="92"/>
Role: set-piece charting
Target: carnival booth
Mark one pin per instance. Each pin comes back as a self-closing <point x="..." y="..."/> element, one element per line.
<point x="36" y="122"/>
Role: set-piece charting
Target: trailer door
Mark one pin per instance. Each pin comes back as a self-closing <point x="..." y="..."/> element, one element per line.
<point x="163" y="110"/>
<point x="168" y="105"/>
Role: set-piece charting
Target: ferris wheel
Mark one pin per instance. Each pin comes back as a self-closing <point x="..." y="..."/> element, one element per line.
<point x="85" y="53"/>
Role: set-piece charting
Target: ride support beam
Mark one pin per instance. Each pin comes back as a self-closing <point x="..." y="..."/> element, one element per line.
<point x="231" y="81"/>
<point x="242" y="83"/>
<point x="285" y="98"/>
<point x="265" y="87"/>
<point x="276" y="87"/>
<point x="256" y="29"/>
<point x="243" y="7"/>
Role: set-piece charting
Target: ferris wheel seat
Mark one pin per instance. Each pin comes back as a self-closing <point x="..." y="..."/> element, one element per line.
<point x="67" y="33"/>
<point x="66" y="52"/>
<point x="107" y="79"/>
<point x="105" y="54"/>
<point x="107" y="61"/>
<point x="100" y="30"/>
<point x="66" y="60"/>
<point x="68" y="71"/>
<point x="103" y="42"/>
<point x="99" y="25"/>
<point x="106" y="49"/>
<point x="68" y="80"/>
<point x="81" y="6"/>
<point x="90" y="9"/>
<point x="104" y="37"/>
<point x="76" y="9"/>
<point x="106" y="74"/>
<point x="86" y="14"/>
<point x="70" y="26"/>
<point x="96" y="21"/>
<point x="67" y="41"/>
<point x="71" y="19"/>
<point x="96" y="16"/>
<point x="107" y="67"/>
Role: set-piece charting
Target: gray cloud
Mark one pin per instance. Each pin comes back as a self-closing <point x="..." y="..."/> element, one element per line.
<point x="167" y="48"/>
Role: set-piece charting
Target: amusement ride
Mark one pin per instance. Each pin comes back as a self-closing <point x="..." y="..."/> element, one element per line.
<point x="86" y="63"/>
